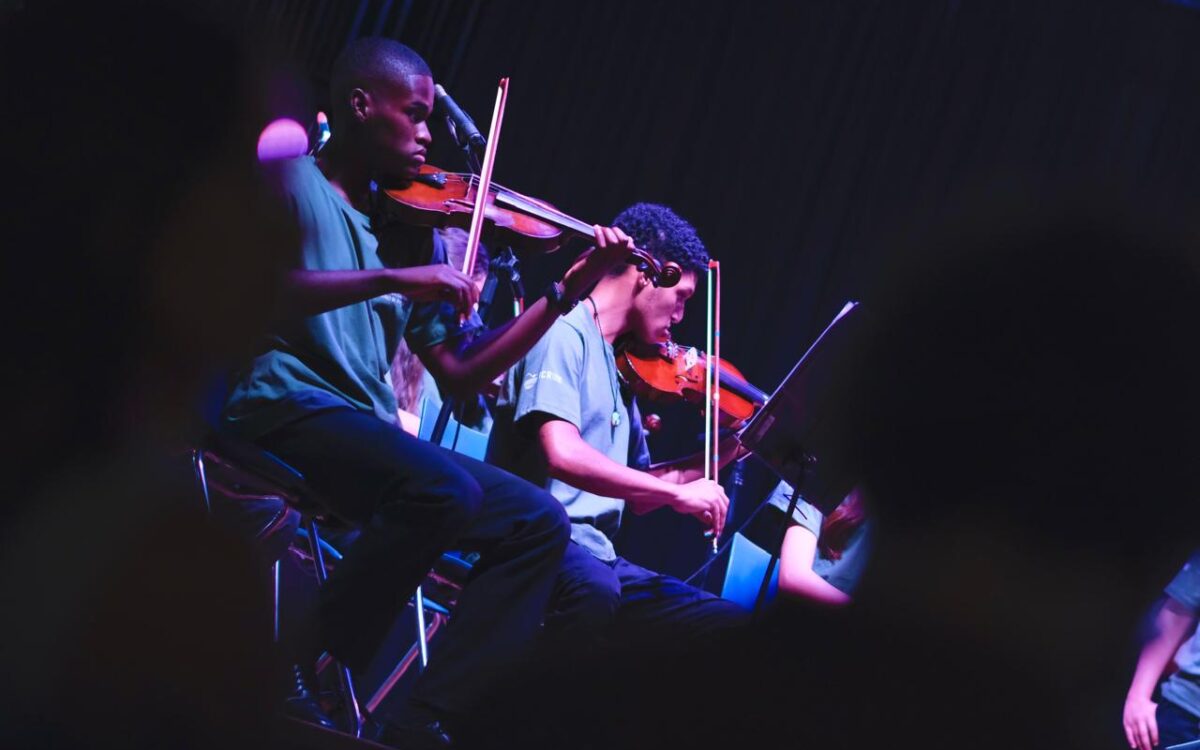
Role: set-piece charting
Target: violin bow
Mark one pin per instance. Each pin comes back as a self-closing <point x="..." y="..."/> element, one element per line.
<point x="484" y="186"/>
<point x="712" y="382"/>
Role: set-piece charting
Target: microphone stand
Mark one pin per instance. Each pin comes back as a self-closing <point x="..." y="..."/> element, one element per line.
<point x="472" y="151"/>
<point x="504" y="266"/>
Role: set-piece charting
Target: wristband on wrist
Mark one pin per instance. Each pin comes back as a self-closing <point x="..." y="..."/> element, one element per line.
<point x="556" y="297"/>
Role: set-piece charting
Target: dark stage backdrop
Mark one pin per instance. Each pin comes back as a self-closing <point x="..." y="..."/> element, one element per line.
<point x="803" y="139"/>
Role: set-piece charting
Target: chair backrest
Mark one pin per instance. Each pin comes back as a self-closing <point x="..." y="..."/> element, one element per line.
<point x="744" y="574"/>
<point x="458" y="438"/>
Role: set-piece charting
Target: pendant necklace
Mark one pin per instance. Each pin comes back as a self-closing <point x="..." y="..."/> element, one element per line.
<point x="610" y="364"/>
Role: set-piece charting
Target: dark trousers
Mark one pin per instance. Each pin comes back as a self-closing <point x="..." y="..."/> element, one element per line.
<point x="593" y="598"/>
<point x="414" y="500"/>
<point x="1175" y="725"/>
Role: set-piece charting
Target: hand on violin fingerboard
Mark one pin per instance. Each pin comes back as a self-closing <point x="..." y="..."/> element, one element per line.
<point x="612" y="246"/>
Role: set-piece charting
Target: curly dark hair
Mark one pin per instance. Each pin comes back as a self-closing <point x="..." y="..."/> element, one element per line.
<point x="664" y="234"/>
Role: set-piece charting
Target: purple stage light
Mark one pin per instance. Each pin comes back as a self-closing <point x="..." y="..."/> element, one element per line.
<point x="282" y="139"/>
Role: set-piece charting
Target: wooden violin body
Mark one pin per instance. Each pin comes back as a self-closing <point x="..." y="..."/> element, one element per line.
<point x="446" y="199"/>
<point x="669" y="371"/>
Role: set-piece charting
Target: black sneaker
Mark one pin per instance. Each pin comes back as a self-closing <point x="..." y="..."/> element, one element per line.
<point x="415" y="734"/>
<point x="301" y="700"/>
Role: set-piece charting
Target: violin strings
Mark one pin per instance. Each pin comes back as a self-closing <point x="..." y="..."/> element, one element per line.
<point x="516" y="200"/>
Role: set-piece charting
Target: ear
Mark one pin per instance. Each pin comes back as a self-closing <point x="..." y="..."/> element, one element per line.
<point x="360" y="104"/>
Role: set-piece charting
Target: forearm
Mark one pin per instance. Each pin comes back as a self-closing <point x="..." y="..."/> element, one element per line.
<point x="315" y="292"/>
<point x="796" y="575"/>
<point x="690" y="468"/>
<point x="470" y="368"/>
<point x="1173" y="628"/>
<point x="580" y="465"/>
<point x="680" y="470"/>
<point x="807" y="585"/>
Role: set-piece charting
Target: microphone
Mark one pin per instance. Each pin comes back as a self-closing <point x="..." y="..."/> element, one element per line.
<point x="320" y="134"/>
<point x="465" y="133"/>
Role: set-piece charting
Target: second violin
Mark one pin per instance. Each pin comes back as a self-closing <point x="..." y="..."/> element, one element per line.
<point x="670" y="371"/>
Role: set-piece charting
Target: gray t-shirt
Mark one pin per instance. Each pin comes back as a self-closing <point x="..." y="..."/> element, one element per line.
<point x="342" y="357"/>
<point x="842" y="573"/>
<point x="570" y="375"/>
<point x="1183" y="687"/>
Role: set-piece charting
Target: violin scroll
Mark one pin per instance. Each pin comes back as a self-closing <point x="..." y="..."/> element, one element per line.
<point x="665" y="275"/>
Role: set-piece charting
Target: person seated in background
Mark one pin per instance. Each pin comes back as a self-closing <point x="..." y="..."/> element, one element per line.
<point x="1175" y="718"/>
<point x="414" y="386"/>
<point x="564" y="421"/>
<point x="132" y="618"/>
<point x="822" y="557"/>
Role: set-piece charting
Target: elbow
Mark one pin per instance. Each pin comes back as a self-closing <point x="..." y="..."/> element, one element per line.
<point x="560" y="464"/>
<point x="556" y="464"/>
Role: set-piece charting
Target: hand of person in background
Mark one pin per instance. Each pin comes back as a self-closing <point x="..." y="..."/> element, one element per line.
<point x="1141" y="725"/>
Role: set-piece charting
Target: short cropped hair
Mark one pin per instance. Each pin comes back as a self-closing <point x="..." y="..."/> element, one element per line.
<point x="370" y="60"/>
<point x="664" y="234"/>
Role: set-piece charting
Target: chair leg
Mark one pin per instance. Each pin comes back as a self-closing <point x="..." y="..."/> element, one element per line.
<point x="345" y="679"/>
<point x="421" y="639"/>
<point x="275" y="586"/>
<point x="201" y="478"/>
<point x="410" y="657"/>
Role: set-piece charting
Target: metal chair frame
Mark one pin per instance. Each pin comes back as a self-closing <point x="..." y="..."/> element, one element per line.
<point x="301" y="501"/>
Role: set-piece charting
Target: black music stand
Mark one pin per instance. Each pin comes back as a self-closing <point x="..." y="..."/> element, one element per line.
<point x="790" y="432"/>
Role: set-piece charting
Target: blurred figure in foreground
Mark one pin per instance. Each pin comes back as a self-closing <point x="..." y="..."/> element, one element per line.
<point x="143" y="253"/>
<point x="1030" y="373"/>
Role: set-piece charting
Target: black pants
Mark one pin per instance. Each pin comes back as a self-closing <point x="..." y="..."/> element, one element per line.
<point x="594" y="598"/>
<point x="414" y="500"/>
<point x="1175" y="725"/>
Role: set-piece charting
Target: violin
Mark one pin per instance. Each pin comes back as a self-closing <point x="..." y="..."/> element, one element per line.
<point x="446" y="199"/>
<point x="669" y="371"/>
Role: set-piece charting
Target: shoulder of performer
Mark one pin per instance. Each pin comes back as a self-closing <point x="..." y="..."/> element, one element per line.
<point x="561" y="348"/>
<point x="1185" y="587"/>
<point x="297" y="175"/>
<point x="300" y="183"/>
<point x="549" y="378"/>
